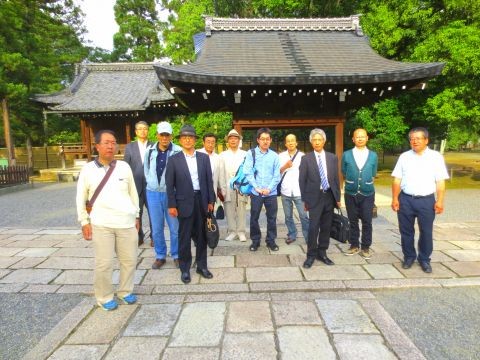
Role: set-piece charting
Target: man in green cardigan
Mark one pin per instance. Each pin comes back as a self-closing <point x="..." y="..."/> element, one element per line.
<point x="359" y="167"/>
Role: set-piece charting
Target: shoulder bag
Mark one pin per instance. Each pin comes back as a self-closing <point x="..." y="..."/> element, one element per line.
<point x="89" y="203"/>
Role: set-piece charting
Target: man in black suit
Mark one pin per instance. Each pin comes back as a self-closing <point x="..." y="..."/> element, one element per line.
<point x="190" y="197"/>
<point x="134" y="156"/>
<point x="320" y="190"/>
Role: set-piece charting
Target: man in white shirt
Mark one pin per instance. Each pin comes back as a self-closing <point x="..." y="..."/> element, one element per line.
<point x="419" y="174"/>
<point x="290" y="189"/>
<point x="209" y="143"/>
<point x="234" y="202"/>
<point x="113" y="222"/>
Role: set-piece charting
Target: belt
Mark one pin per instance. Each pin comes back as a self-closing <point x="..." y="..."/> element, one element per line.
<point x="417" y="196"/>
<point x="325" y="191"/>
<point x="196" y="191"/>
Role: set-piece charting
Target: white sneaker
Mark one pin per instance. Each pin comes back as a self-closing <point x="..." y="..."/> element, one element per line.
<point x="231" y="237"/>
<point x="242" y="237"/>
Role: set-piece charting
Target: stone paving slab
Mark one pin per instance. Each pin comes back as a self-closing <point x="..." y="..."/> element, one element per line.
<point x="4" y="272"/>
<point x="345" y="316"/>
<point x="75" y="277"/>
<point x="249" y="316"/>
<point x="462" y="255"/>
<point x="225" y="276"/>
<point x="10" y="251"/>
<point x="304" y="342"/>
<point x="336" y="272"/>
<point x="28" y="262"/>
<point x="145" y="348"/>
<point x="467" y="245"/>
<point x="297" y="285"/>
<point x="110" y="323"/>
<point x="465" y="268"/>
<point x="75" y="252"/>
<point x="31" y="276"/>
<point x="191" y="353"/>
<point x="79" y="352"/>
<point x="6" y="261"/>
<point x="20" y="231"/>
<point x="67" y="263"/>
<point x="260" y="260"/>
<point x="73" y="244"/>
<point x="295" y="313"/>
<point x="199" y="324"/>
<point x="11" y="288"/>
<point x="383" y="271"/>
<point x="269" y="274"/>
<point x="390" y="283"/>
<point x="153" y="320"/>
<point x="249" y="346"/>
<point x="370" y="347"/>
<point x="31" y="243"/>
<point x="44" y="289"/>
<point x="37" y="252"/>
<point x="200" y="288"/>
<point x="24" y="237"/>
<point x="59" y="232"/>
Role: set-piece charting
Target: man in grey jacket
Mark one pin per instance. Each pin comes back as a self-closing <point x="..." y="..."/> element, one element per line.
<point x="155" y="165"/>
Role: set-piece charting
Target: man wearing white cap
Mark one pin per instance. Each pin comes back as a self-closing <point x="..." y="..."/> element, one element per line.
<point x="154" y="166"/>
<point x="234" y="203"/>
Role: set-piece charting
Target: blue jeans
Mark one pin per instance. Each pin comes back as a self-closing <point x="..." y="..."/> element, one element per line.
<point x="288" y="202"/>
<point x="271" y="208"/>
<point x="158" y="208"/>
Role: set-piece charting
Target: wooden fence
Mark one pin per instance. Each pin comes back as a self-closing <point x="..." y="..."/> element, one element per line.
<point x="14" y="175"/>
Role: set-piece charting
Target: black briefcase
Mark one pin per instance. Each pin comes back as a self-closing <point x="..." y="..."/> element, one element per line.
<point x="212" y="232"/>
<point x="340" y="230"/>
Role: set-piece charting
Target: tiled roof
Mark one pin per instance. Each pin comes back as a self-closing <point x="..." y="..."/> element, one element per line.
<point x="291" y="51"/>
<point x="232" y="24"/>
<point x="107" y="87"/>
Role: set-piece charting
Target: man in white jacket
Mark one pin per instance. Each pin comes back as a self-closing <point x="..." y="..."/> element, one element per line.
<point x="234" y="203"/>
<point x="113" y="222"/>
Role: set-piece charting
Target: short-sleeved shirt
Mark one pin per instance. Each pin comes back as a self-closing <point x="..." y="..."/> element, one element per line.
<point x="290" y="185"/>
<point x="419" y="173"/>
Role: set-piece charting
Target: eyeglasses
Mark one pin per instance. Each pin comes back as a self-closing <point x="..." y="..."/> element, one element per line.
<point x="265" y="139"/>
<point x="417" y="138"/>
<point x="141" y="129"/>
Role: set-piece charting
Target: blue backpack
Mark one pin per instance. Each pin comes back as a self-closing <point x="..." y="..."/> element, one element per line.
<point x="239" y="181"/>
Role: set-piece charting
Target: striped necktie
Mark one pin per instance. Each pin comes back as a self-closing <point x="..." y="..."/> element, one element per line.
<point x="323" y="177"/>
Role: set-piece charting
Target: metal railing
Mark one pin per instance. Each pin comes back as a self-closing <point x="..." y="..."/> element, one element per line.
<point x="14" y="175"/>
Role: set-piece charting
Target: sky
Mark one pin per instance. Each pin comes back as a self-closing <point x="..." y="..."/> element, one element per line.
<point x="100" y="22"/>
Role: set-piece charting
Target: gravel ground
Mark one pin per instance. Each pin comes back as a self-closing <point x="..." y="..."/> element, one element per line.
<point x="27" y="318"/>
<point x="443" y="323"/>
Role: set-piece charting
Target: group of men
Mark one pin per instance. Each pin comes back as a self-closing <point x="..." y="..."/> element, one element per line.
<point x="179" y="185"/>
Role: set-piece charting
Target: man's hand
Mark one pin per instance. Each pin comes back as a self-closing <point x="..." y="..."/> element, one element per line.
<point x="438" y="207"/>
<point x="395" y="205"/>
<point x="339" y="204"/>
<point x="87" y="232"/>
<point x="137" y="224"/>
<point x="173" y="212"/>
<point x="210" y="207"/>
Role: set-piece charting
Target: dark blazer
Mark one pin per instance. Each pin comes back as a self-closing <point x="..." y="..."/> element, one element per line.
<point x="309" y="178"/>
<point x="133" y="158"/>
<point x="179" y="183"/>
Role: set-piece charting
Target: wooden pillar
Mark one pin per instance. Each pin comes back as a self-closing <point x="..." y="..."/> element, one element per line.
<point x="128" y="129"/>
<point x="339" y="147"/>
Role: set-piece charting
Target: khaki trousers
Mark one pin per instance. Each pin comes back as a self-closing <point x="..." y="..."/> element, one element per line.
<point x="236" y="215"/>
<point x="107" y="242"/>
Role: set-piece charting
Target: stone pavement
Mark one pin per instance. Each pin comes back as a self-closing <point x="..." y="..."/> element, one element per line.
<point x="261" y="305"/>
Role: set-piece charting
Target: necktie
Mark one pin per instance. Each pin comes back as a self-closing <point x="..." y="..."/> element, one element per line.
<point x="323" y="177"/>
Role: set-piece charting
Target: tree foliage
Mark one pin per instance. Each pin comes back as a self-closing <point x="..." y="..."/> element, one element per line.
<point x="139" y="29"/>
<point x="40" y="41"/>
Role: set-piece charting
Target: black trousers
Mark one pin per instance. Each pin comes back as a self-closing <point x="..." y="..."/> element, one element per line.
<point x="194" y="225"/>
<point x="321" y="217"/>
<point x="142" y="201"/>
<point x="360" y="207"/>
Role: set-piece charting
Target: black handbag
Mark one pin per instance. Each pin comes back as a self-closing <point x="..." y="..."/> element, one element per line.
<point x="340" y="229"/>
<point x="220" y="214"/>
<point x="212" y="231"/>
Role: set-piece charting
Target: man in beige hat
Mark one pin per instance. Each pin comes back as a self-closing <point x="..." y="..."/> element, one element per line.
<point x="234" y="203"/>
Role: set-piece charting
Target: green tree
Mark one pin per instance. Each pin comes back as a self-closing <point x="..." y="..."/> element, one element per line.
<point x="40" y="41"/>
<point x="430" y="31"/>
<point x="139" y="27"/>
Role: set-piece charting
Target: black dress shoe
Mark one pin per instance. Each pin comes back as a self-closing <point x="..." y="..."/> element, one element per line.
<point x="325" y="259"/>
<point x="407" y="263"/>
<point x="426" y="267"/>
<point x="205" y="273"/>
<point x="309" y="262"/>
<point x="186" y="277"/>
<point x="272" y="246"/>
<point x="254" y="247"/>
